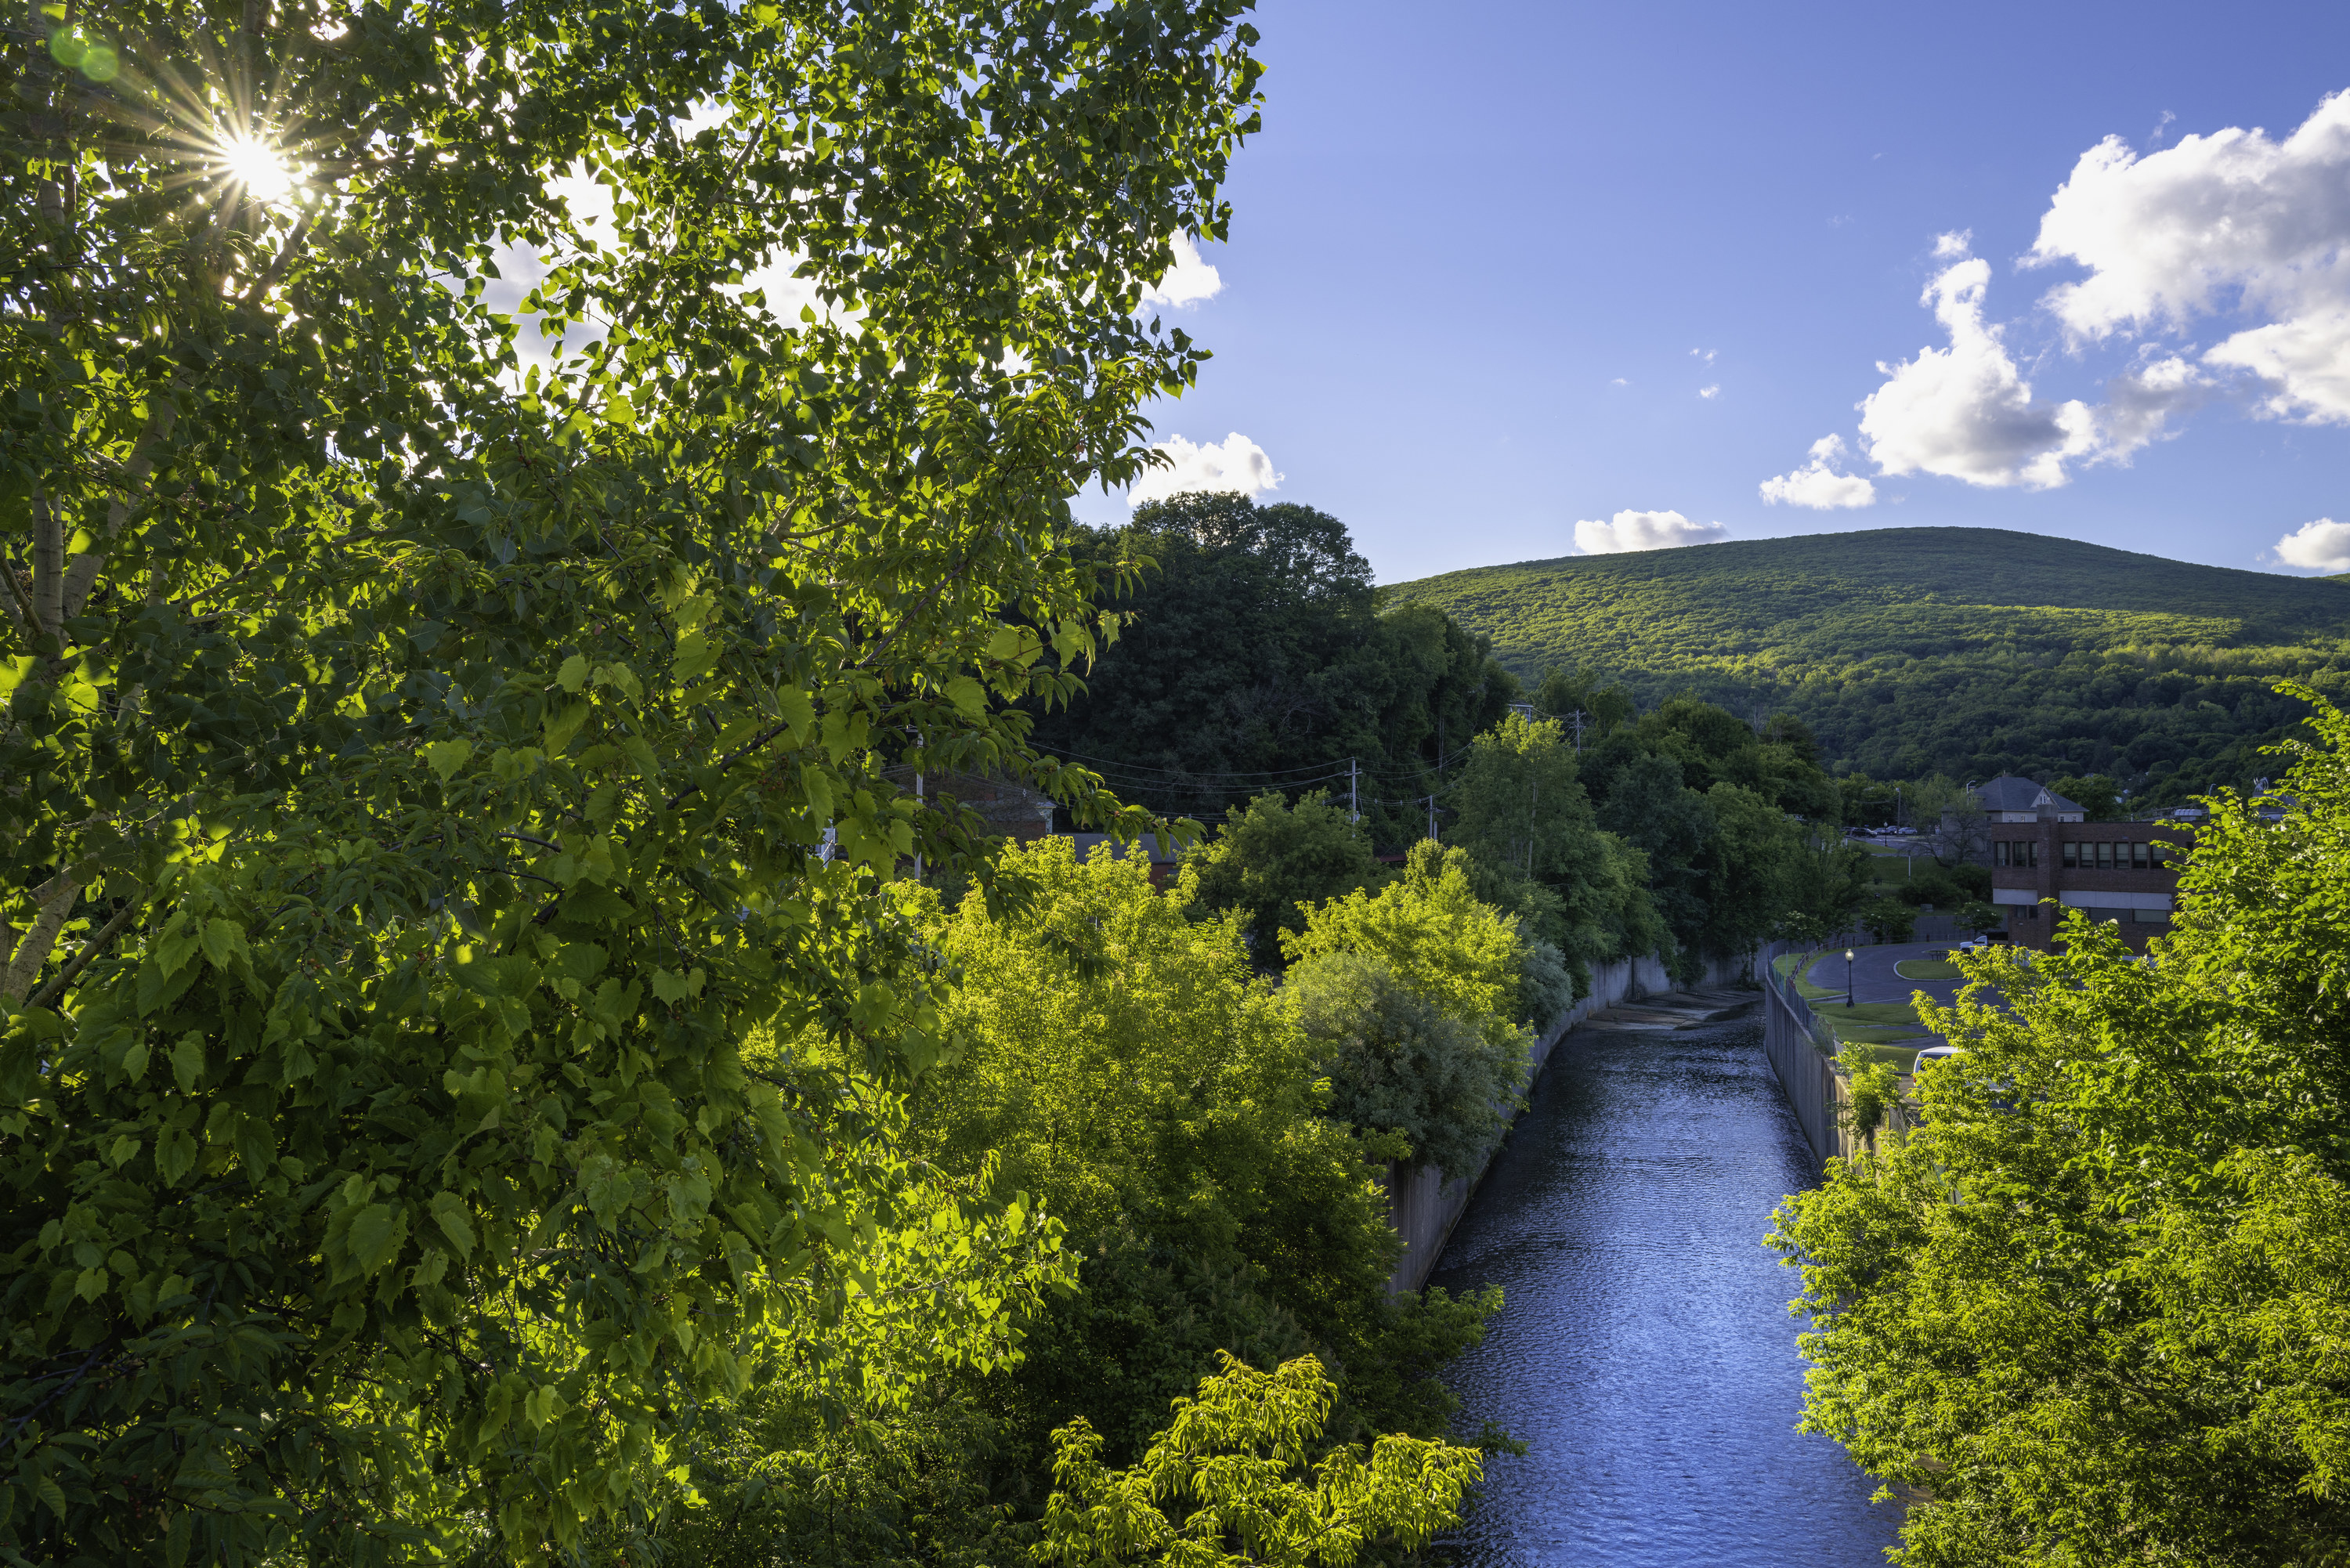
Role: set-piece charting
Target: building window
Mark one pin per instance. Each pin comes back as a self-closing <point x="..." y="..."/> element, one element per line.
<point x="2105" y="856"/>
<point x="1999" y="852"/>
<point x="2033" y="846"/>
<point x="2072" y="853"/>
<point x="2139" y="861"/>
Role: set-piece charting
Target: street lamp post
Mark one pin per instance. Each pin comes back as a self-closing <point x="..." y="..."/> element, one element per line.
<point x="1847" y="977"/>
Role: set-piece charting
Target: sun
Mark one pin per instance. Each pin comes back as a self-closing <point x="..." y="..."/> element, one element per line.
<point x="256" y="166"/>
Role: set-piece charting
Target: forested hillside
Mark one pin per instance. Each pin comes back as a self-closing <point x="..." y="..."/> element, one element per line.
<point x="1968" y="651"/>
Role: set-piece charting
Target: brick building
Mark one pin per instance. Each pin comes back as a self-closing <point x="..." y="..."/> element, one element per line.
<point x="2042" y="848"/>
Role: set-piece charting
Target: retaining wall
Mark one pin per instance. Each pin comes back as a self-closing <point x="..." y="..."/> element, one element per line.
<point x="1424" y="1204"/>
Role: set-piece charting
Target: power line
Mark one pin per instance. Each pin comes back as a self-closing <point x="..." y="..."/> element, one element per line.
<point x="1185" y="772"/>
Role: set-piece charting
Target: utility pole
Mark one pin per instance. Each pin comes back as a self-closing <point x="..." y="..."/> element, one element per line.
<point x="1431" y="816"/>
<point x="1354" y="791"/>
<point x="1576" y="718"/>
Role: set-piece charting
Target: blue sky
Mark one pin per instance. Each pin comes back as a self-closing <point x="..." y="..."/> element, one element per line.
<point x="1486" y="259"/>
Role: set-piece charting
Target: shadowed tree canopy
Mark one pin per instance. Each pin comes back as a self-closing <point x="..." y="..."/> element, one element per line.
<point x="1253" y="655"/>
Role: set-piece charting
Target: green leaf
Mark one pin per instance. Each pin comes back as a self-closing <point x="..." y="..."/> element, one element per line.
<point x="696" y="655"/>
<point x="223" y="944"/>
<point x="798" y="712"/>
<point x="672" y="987"/>
<point x="188" y="1063"/>
<point x="178" y="942"/>
<point x="447" y="756"/>
<point x="449" y="1213"/>
<point x="573" y="673"/>
<point x="562" y="724"/>
<point x="175" y="1155"/>
<point x="376" y="1235"/>
<point x="968" y="695"/>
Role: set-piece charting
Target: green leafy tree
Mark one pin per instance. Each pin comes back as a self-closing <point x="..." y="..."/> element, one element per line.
<point x="1243" y="1475"/>
<point x="1399" y="1062"/>
<point x="2097" y="1305"/>
<point x="442" y="737"/>
<point x="1587" y="708"/>
<point x="1120" y="1059"/>
<point x="2098" y="796"/>
<point x="1522" y="815"/>
<point x="1752" y="875"/>
<point x="1255" y="654"/>
<point x="1826" y="881"/>
<point x="1889" y="920"/>
<point x="1977" y="916"/>
<point x="1268" y="860"/>
<point x="1430" y="931"/>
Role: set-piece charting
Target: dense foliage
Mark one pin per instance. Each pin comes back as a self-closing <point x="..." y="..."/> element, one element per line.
<point x="1122" y="1061"/>
<point x="2098" y="1308"/>
<point x="1247" y="1479"/>
<point x="1736" y="824"/>
<point x="424" y="765"/>
<point x="1269" y="861"/>
<point x="1400" y="1063"/>
<point x="1964" y="651"/>
<point x="1520" y="810"/>
<point x="1254" y="655"/>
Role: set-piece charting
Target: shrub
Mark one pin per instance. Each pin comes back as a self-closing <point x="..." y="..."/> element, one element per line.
<point x="1398" y="1062"/>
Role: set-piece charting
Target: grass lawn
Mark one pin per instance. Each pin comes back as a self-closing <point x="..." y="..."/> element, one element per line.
<point x="1791" y="966"/>
<point x="1887" y="1031"/>
<point x="1903" y="1057"/>
<point x="1881" y="1014"/>
<point x="1927" y="969"/>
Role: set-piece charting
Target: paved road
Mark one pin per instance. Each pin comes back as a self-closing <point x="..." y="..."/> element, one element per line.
<point x="1873" y="979"/>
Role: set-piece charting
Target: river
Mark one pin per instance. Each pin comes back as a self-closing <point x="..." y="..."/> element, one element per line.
<point x="1644" y="1351"/>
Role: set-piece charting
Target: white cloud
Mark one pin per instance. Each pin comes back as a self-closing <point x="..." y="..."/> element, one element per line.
<point x="2320" y="546"/>
<point x="1816" y="483"/>
<point x="1188" y="281"/>
<point x="1643" y="531"/>
<point x="1234" y="462"/>
<point x="1966" y="411"/>
<point x="1709" y="392"/>
<point x="1619" y="381"/>
<point x="1703" y="355"/>
<point x="2232" y="221"/>
<point x="1955" y="243"/>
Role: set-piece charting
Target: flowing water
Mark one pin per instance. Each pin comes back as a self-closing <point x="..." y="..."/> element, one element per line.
<point x="1644" y="1351"/>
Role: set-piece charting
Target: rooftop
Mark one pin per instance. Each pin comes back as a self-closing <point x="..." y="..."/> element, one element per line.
<point x="2008" y="793"/>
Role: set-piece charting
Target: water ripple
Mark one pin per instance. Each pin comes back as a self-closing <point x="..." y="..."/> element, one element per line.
<point x="1645" y="1352"/>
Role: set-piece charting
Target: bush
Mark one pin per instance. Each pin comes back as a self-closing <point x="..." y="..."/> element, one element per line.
<point x="1398" y="1062"/>
<point x="1889" y="920"/>
<point x="1546" y="987"/>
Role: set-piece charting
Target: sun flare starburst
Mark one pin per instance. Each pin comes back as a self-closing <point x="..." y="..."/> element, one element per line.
<point x="258" y="168"/>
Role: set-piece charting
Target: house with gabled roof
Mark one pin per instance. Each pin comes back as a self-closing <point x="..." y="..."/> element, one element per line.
<point x="2010" y="799"/>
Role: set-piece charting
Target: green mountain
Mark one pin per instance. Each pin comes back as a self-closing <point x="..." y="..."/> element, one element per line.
<point x="1968" y="651"/>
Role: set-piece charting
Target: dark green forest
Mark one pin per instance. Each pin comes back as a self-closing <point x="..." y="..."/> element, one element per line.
<point x="1254" y="654"/>
<point x="1909" y="651"/>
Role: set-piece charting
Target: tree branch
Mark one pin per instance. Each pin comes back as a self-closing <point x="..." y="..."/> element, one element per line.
<point x="57" y="901"/>
<point x="97" y="944"/>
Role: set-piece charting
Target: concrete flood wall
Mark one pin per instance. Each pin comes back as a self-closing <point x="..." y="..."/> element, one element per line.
<point x="1792" y="1040"/>
<point x="1802" y="1053"/>
<point x="1424" y="1204"/>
